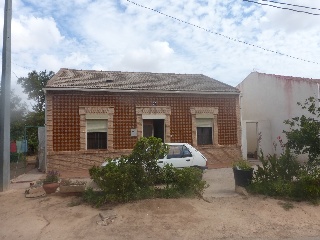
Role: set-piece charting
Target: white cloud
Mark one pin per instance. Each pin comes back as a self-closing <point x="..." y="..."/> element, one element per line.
<point x="118" y="35"/>
<point x="48" y="62"/>
<point x="76" y="59"/>
<point x="292" y="21"/>
<point x="34" y="34"/>
<point x="150" y="58"/>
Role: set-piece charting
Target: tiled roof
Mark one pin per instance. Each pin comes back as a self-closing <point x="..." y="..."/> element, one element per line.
<point x="90" y="79"/>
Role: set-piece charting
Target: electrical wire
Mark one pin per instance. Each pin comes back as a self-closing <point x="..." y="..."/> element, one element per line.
<point x="28" y="68"/>
<point x="289" y="4"/>
<point x="222" y="35"/>
<point x="294" y="10"/>
<point x="15" y="74"/>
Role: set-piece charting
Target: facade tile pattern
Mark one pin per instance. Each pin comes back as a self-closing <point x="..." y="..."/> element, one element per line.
<point x="65" y="125"/>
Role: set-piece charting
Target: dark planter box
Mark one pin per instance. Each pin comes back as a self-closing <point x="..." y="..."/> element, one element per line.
<point x="242" y="177"/>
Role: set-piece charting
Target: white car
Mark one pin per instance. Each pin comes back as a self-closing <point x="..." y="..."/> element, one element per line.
<point x="181" y="155"/>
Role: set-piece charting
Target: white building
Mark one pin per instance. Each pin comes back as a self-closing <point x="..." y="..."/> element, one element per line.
<point x="266" y="101"/>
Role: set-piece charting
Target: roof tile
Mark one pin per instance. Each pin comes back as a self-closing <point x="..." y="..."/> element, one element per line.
<point x="91" y="79"/>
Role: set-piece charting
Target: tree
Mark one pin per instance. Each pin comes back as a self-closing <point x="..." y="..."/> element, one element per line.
<point x="18" y="113"/>
<point x="304" y="132"/>
<point x="33" y="86"/>
<point x="32" y="121"/>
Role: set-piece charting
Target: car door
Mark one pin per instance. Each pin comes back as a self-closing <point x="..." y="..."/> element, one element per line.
<point x="179" y="156"/>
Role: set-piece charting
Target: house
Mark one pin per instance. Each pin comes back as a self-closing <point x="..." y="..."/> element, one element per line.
<point x="91" y="115"/>
<point x="267" y="100"/>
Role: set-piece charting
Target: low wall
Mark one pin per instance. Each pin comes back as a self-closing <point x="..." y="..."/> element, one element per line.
<point x="220" y="156"/>
<point x="80" y="160"/>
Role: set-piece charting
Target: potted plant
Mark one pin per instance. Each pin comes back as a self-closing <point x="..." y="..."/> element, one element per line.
<point x="68" y="185"/>
<point x="243" y="172"/>
<point x="51" y="182"/>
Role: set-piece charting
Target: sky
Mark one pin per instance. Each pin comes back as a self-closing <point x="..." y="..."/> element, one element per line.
<point x="209" y="37"/>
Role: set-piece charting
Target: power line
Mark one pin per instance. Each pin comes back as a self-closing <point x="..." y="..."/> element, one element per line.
<point x="222" y="35"/>
<point x="289" y="4"/>
<point x="27" y="68"/>
<point x="294" y="10"/>
<point x="15" y="74"/>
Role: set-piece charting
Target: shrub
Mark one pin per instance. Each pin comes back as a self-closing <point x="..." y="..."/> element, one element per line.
<point x="135" y="177"/>
<point x="284" y="177"/>
<point x="182" y="182"/>
<point x="285" y="167"/>
<point x="307" y="185"/>
<point x="120" y="182"/>
<point x="95" y="198"/>
<point x="242" y="164"/>
<point x="303" y="133"/>
<point x="188" y="181"/>
<point x="145" y="155"/>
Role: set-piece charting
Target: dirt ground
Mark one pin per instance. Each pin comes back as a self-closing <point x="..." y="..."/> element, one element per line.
<point x="222" y="215"/>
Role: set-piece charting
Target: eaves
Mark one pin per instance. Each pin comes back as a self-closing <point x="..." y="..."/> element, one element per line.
<point x="141" y="91"/>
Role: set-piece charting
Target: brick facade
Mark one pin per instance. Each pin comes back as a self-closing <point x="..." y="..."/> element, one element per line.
<point x="66" y="126"/>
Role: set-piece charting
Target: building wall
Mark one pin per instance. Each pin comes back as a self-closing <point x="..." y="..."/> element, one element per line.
<point x="268" y="100"/>
<point x="64" y="131"/>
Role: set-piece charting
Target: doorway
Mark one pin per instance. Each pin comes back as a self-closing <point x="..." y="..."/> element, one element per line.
<point x="252" y="140"/>
<point x="153" y="128"/>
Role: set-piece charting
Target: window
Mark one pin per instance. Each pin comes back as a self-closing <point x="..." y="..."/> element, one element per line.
<point x="186" y="152"/>
<point x="97" y="133"/>
<point x="175" y="151"/>
<point x="178" y="151"/>
<point x="204" y="131"/>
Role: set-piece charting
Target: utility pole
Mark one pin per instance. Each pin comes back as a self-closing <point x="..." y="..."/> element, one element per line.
<point x="5" y="100"/>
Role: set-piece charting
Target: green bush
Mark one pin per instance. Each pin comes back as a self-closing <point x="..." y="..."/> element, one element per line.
<point x="285" y="167"/>
<point x="122" y="181"/>
<point x="307" y="184"/>
<point x="138" y="176"/>
<point x="145" y="155"/>
<point x="181" y="182"/>
<point x="95" y="198"/>
<point x="303" y="133"/>
<point x="283" y="177"/>
<point x="242" y="164"/>
<point x="275" y="188"/>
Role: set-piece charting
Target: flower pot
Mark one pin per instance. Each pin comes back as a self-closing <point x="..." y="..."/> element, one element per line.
<point x="50" y="187"/>
<point x="242" y="177"/>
